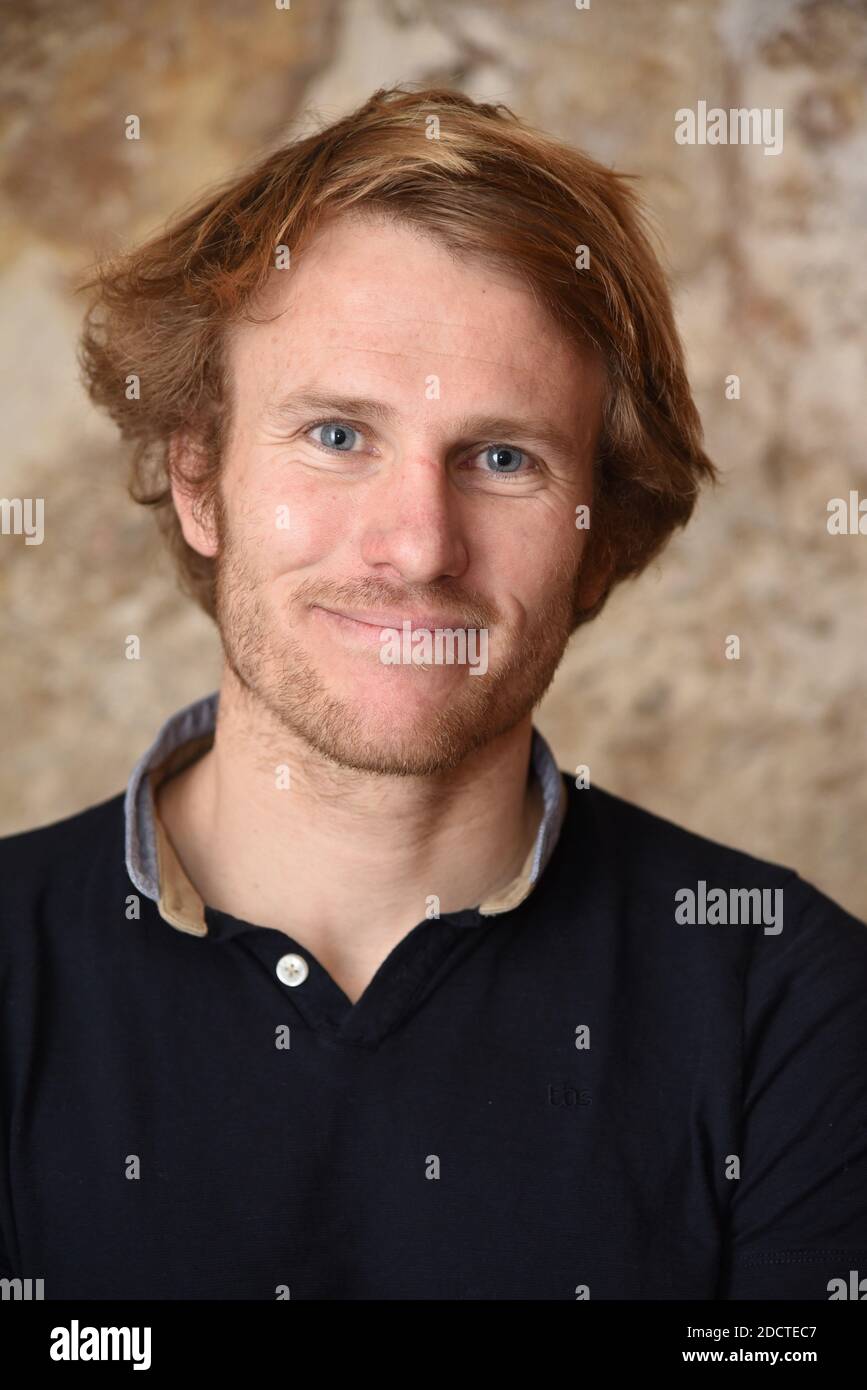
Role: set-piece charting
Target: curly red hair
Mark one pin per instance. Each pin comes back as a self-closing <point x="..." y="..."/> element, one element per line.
<point x="488" y="186"/>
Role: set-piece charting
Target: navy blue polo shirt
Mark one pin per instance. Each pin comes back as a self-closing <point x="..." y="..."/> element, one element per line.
<point x="640" y="1074"/>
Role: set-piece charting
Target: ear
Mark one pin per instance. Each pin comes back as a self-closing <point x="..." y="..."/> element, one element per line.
<point x="592" y="584"/>
<point x="184" y="462"/>
<point x="594" y="576"/>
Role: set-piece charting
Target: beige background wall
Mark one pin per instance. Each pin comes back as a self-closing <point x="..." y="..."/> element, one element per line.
<point x="768" y="256"/>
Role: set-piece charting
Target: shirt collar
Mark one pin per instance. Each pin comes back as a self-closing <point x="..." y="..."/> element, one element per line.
<point x="157" y="872"/>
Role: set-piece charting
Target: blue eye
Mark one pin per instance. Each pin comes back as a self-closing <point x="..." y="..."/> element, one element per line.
<point x="337" y="436"/>
<point x="504" y="459"/>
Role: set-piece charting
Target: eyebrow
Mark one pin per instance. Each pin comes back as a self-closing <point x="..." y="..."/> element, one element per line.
<point x="493" y="427"/>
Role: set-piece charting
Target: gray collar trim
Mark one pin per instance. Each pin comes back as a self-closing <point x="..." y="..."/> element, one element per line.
<point x="200" y="718"/>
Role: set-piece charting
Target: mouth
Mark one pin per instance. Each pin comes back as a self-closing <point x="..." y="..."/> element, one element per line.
<point x="376" y="622"/>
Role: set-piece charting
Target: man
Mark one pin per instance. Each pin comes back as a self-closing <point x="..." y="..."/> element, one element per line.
<point x="355" y="994"/>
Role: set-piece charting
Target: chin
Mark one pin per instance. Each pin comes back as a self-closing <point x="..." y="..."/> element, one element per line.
<point x="390" y="735"/>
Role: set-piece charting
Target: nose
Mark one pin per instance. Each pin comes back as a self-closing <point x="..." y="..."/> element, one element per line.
<point x="413" y="525"/>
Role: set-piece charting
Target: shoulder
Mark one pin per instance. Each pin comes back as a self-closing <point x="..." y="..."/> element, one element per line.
<point x="644" y="840"/>
<point x="57" y="836"/>
<point x="55" y="857"/>
<point x="653" y="860"/>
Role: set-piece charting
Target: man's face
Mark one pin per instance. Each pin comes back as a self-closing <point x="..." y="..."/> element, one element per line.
<point x="419" y="485"/>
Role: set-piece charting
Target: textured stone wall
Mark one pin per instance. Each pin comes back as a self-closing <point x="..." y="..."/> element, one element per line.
<point x="768" y="259"/>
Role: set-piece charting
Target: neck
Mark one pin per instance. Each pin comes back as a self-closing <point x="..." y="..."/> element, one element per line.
<point x="344" y="861"/>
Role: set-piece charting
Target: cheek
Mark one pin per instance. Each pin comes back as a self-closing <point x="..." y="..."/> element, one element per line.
<point x="540" y="561"/>
<point x="284" y="521"/>
<point x="301" y="537"/>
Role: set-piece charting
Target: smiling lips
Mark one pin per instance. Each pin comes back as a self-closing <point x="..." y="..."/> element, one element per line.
<point x="376" y="621"/>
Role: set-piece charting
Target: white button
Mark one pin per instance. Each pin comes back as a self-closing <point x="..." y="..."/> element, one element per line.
<point x="292" y="970"/>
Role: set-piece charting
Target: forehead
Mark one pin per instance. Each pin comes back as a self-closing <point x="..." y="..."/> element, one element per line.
<point x="370" y="305"/>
